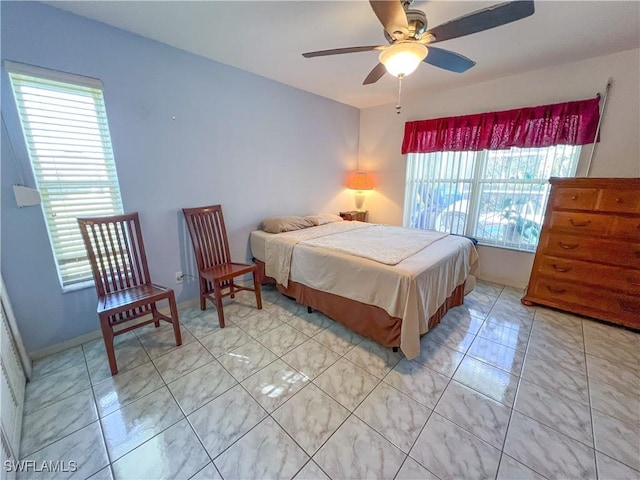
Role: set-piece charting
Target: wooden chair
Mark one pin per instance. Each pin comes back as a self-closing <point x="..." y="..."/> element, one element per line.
<point x="119" y="265"/>
<point x="215" y="268"/>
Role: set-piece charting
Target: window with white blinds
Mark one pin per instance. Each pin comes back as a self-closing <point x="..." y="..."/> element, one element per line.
<point x="496" y="196"/>
<point x="66" y="132"/>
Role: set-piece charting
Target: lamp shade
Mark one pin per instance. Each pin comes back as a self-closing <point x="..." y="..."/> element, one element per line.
<point x="360" y="181"/>
<point x="402" y="58"/>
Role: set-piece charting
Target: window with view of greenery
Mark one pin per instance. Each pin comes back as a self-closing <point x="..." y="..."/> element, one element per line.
<point x="496" y="196"/>
<point x="64" y="122"/>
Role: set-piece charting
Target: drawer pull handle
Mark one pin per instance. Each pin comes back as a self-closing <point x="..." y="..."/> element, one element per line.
<point x="561" y="269"/>
<point x="619" y="200"/>
<point x="630" y="307"/>
<point x="574" y="197"/>
<point x="633" y="281"/>
<point x="579" y="224"/>
<point x="572" y="246"/>
<point x="556" y="290"/>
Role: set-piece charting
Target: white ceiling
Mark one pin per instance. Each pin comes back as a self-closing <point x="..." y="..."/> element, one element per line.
<point x="268" y="37"/>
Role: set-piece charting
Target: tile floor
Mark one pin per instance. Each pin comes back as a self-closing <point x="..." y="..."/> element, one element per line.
<point x="498" y="391"/>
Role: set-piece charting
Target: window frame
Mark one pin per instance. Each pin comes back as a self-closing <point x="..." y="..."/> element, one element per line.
<point x="96" y="188"/>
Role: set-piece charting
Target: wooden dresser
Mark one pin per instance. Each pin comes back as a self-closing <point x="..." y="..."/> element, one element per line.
<point x="588" y="257"/>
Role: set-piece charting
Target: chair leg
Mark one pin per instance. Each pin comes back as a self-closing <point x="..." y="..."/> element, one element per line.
<point x="174" y="319"/>
<point x="218" y="297"/>
<point x="107" y="336"/>
<point x="203" y="289"/>
<point x="258" y="291"/>
<point x="232" y="290"/>
<point x="154" y="314"/>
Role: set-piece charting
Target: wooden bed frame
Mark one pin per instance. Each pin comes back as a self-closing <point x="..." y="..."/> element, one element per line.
<point x="368" y="320"/>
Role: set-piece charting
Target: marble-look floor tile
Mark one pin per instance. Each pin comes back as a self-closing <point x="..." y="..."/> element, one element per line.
<point x="454" y="337"/>
<point x="311" y="471"/>
<point x="547" y="451"/>
<point x="124" y="388"/>
<point x="481" y="299"/>
<point x="565" y="415"/>
<point x="311" y="358"/>
<point x="225" y="340"/>
<point x="104" y="474"/>
<point x="546" y="330"/>
<point x="84" y="447"/>
<point x="338" y="338"/>
<point x="617" y="439"/>
<point x="451" y="452"/>
<point x="559" y="319"/>
<point x="310" y="417"/>
<point x="412" y="470"/>
<point x="129" y="427"/>
<point x="491" y="381"/>
<point x="512" y="311"/>
<point x="611" y="343"/>
<point x="57" y="362"/>
<point x="283" y="339"/>
<point x="285" y="308"/>
<point x="346" y="383"/>
<point x="476" y="413"/>
<point x="310" y="323"/>
<point x="438" y="357"/>
<point x="274" y="384"/>
<point x="225" y="419"/>
<point x="174" y="453"/>
<point x="207" y="473"/>
<point x="246" y="360"/>
<point x="358" y="451"/>
<point x="394" y="415"/>
<point x="554" y="352"/>
<point x="273" y="454"/>
<point x="181" y="361"/>
<point x="373" y="357"/>
<point x="556" y="378"/>
<point x="608" y="468"/>
<point x="242" y="306"/>
<point x="500" y="356"/>
<point x="614" y="401"/>
<point x="47" y="425"/>
<point x="505" y="334"/>
<point x="129" y="354"/>
<point x="462" y="317"/>
<point x="417" y="381"/>
<point x="622" y="376"/>
<point x="259" y="323"/>
<point x="201" y="386"/>
<point x="160" y="341"/>
<point x="511" y="469"/>
<point x="201" y="322"/>
<point x="47" y="390"/>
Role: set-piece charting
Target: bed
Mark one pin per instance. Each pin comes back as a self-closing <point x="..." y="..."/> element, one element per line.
<point x="393" y="304"/>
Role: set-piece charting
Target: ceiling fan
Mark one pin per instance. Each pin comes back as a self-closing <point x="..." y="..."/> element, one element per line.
<point x="410" y="41"/>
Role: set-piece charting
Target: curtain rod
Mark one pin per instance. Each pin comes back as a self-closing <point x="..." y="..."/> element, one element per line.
<point x="595" y="140"/>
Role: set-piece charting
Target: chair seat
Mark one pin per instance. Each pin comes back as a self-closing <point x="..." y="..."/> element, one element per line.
<point x="132" y="297"/>
<point x="226" y="271"/>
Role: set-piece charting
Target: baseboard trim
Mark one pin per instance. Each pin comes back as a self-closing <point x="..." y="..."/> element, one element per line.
<point x="87" y="337"/>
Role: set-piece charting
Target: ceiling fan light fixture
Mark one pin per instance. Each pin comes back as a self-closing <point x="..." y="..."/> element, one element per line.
<point x="402" y="58"/>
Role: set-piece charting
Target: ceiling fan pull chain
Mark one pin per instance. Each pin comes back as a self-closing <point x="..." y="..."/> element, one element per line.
<point x="398" y="106"/>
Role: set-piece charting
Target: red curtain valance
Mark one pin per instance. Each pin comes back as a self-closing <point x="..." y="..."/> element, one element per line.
<point x="571" y="123"/>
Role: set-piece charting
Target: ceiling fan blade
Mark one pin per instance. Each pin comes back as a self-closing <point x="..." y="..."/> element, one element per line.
<point x="454" y="62"/>
<point x="392" y="17"/>
<point x="485" y="19"/>
<point x="375" y="74"/>
<point x="338" y="51"/>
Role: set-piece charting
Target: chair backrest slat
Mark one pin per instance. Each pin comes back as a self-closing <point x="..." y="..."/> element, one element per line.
<point x="208" y="235"/>
<point x="116" y="252"/>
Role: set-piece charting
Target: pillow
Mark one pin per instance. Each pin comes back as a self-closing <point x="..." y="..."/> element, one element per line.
<point x="323" y="218"/>
<point x="284" y="224"/>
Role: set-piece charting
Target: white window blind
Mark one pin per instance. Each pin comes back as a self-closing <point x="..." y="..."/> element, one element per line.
<point x="66" y="132"/>
<point x="496" y="196"/>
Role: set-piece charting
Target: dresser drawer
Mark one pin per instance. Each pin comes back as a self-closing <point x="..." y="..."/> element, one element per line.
<point x="577" y="198"/>
<point x="617" y="278"/>
<point x="619" y="200"/>
<point x="582" y="223"/>
<point x="613" y="252"/>
<point x="627" y="227"/>
<point x="598" y="302"/>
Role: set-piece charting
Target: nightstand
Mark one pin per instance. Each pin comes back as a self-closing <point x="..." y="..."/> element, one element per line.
<point x="359" y="215"/>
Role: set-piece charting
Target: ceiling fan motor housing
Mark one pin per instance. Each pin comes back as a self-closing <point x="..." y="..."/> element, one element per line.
<point x="417" y="21"/>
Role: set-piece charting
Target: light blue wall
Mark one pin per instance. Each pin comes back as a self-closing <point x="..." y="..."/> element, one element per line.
<point x="258" y="147"/>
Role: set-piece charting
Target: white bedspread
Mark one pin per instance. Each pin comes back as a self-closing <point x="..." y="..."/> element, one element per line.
<point x="381" y="243"/>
